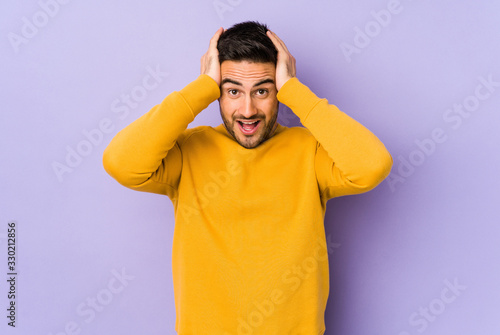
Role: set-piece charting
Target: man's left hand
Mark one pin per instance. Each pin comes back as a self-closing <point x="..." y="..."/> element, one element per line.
<point x="285" y="66"/>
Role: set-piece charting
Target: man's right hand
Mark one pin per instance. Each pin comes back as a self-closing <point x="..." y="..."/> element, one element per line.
<point x="210" y="61"/>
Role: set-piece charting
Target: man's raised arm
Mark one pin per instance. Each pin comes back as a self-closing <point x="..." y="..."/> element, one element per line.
<point x="350" y="159"/>
<point x="145" y="156"/>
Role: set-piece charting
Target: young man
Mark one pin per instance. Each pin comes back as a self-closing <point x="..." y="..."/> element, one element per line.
<point x="249" y="250"/>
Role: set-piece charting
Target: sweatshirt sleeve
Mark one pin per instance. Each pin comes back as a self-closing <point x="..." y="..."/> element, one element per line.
<point x="349" y="158"/>
<point x="145" y="155"/>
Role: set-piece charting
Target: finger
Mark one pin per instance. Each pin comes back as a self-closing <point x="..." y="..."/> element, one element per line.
<point x="215" y="38"/>
<point x="277" y="40"/>
<point x="280" y="45"/>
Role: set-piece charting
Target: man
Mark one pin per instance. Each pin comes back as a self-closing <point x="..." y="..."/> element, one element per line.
<point x="249" y="250"/>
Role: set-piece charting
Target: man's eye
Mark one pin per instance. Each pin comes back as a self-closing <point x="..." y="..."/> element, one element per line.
<point x="261" y="91"/>
<point x="232" y="92"/>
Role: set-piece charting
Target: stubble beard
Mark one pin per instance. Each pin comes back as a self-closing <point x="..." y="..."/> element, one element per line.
<point x="251" y="142"/>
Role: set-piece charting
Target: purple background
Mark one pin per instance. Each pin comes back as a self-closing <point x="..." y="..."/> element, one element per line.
<point x="393" y="250"/>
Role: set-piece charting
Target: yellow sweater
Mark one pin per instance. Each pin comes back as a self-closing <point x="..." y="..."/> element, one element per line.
<point x="249" y="249"/>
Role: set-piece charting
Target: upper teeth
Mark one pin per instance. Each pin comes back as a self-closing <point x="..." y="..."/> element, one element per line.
<point x="248" y="122"/>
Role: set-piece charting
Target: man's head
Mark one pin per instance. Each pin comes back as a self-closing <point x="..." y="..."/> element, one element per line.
<point x="248" y="103"/>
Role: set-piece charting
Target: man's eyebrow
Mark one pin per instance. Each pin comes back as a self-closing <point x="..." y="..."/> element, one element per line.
<point x="229" y="80"/>
<point x="264" y="81"/>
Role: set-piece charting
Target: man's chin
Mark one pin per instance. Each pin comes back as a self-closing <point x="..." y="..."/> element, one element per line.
<point x="253" y="141"/>
<point x="249" y="142"/>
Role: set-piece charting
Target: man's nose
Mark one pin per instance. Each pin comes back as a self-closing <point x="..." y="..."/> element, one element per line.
<point x="248" y="109"/>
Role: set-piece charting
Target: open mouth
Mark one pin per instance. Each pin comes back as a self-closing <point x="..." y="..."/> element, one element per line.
<point x="248" y="127"/>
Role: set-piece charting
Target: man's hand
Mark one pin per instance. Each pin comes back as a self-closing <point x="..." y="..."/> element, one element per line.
<point x="210" y="60"/>
<point x="285" y="66"/>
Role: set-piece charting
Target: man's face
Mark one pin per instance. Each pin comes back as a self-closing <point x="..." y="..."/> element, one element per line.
<point x="248" y="103"/>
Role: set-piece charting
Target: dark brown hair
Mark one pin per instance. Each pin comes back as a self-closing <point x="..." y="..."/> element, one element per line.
<point x="247" y="41"/>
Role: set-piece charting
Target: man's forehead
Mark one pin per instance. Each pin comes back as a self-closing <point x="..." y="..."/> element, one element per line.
<point x="244" y="72"/>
